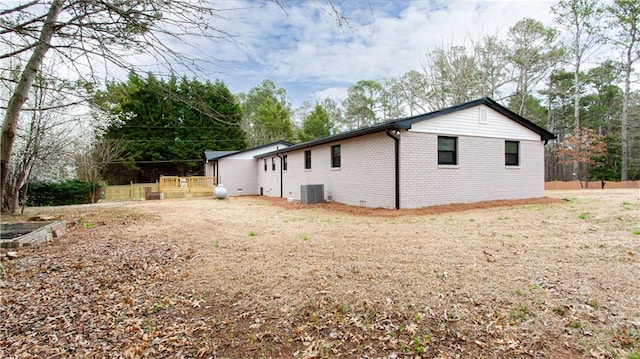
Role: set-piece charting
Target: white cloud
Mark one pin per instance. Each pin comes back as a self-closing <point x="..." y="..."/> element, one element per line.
<point x="335" y="93"/>
<point x="304" y="49"/>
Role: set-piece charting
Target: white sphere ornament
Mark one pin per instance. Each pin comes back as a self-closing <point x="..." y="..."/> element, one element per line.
<point x="220" y="191"/>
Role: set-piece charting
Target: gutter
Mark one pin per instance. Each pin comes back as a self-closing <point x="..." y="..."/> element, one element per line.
<point x="281" y="179"/>
<point x="396" y="140"/>
<point x="339" y="137"/>
<point x="217" y="172"/>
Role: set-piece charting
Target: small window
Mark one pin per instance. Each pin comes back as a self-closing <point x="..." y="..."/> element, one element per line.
<point x="307" y="159"/>
<point x="284" y="162"/>
<point x="447" y="150"/>
<point x="335" y="156"/>
<point x="273" y="163"/>
<point x="265" y="165"/>
<point x="512" y="153"/>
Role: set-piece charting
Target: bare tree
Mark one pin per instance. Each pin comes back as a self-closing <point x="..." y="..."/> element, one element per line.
<point x="91" y="161"/>
<point x="412" y="90"/>
<point x="363" y="104"/>
<point x="41" y="139"/>
<point x="625" y="22"/>
<point x="391" y="102"/>
<point x="580" y="18"/>
<point x="456" y="74"/>
<point x="532" y="53"/>
<point x="39" y="49"/>
<point x="490" y="54"/>
<point x="95" y="35"/>
<point x="452" y="76"/>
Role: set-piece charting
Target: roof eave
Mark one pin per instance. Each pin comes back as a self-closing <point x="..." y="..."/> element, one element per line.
<point x="406" y="123"/>
<point x="258" y="147"/>
<point x="341" y="136"/>
<point x="544" y="134"/>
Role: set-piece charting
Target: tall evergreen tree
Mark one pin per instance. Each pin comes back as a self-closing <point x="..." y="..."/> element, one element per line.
<point x="266" y="114"/>
<point x="273" y="121"/>
<point x="316" y="125"/>
<point x="165" y="126"/>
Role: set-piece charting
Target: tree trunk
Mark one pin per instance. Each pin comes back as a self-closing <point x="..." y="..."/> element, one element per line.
<point x="624" y="125"/>
<point x="586" y="175"/>
<point x="20" y="95"/>
<point x="576" y="97"/>
<point x="24" y="197"/>
<point x="576" y="77"/>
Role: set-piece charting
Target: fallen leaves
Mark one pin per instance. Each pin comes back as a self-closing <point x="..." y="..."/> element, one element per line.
<point x="130" y="286"/>
<point x="95" y="296"/>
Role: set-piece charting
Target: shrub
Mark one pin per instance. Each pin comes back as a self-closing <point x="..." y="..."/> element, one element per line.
<point x="49" y="193"/>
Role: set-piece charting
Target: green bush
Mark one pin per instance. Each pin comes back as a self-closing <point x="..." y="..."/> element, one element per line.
<point x="48" y="193"/>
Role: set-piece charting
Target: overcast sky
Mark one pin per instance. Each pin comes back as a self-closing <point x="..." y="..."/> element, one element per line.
<point x="304" y="51"/>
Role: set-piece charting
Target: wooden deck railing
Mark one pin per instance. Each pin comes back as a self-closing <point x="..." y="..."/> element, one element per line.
<point x="166" y="187"/>
<point x="187" y="184"/>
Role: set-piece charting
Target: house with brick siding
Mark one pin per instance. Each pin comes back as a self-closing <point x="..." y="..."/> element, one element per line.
<point x="476" y="151"/>
<point x="237" y="170"/>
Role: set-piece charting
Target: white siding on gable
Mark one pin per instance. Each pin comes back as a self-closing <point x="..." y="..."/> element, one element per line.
<point x="471" y="122"/>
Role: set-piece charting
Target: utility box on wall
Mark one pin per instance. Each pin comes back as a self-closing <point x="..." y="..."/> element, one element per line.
<point x="311" y="193"/>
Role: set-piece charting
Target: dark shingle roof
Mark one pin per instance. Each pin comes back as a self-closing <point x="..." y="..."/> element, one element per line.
<point x="406" y="122"/>
<point x="214" y="155"/>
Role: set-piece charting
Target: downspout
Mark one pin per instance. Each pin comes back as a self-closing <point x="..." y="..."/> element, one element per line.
<point x="216" y="172"/>
<point x="396" y="140"/>
<point x="281" y="179"/>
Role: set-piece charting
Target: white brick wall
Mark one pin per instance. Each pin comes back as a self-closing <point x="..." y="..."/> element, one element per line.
<point x="480" y="174"/>
<point x="367" y="173"/>
<point x="238" y="172"/>
<point x="269" y="180"/>
<point x="365" y="177"/>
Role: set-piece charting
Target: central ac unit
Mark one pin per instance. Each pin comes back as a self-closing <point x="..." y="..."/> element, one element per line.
<point x="311" y="193"/>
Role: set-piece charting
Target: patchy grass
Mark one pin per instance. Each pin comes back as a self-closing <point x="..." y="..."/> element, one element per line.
<point x="585" y="215"/>
<point x="593" y="303"/>
<point x="630" y="206"/>
<point x="187" y="279"/>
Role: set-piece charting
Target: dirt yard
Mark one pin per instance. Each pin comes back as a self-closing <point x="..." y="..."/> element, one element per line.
<point x="248" y="278"/>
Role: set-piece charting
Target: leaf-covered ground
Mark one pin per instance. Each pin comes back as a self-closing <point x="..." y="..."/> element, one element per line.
<point x="248" y="277"/>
